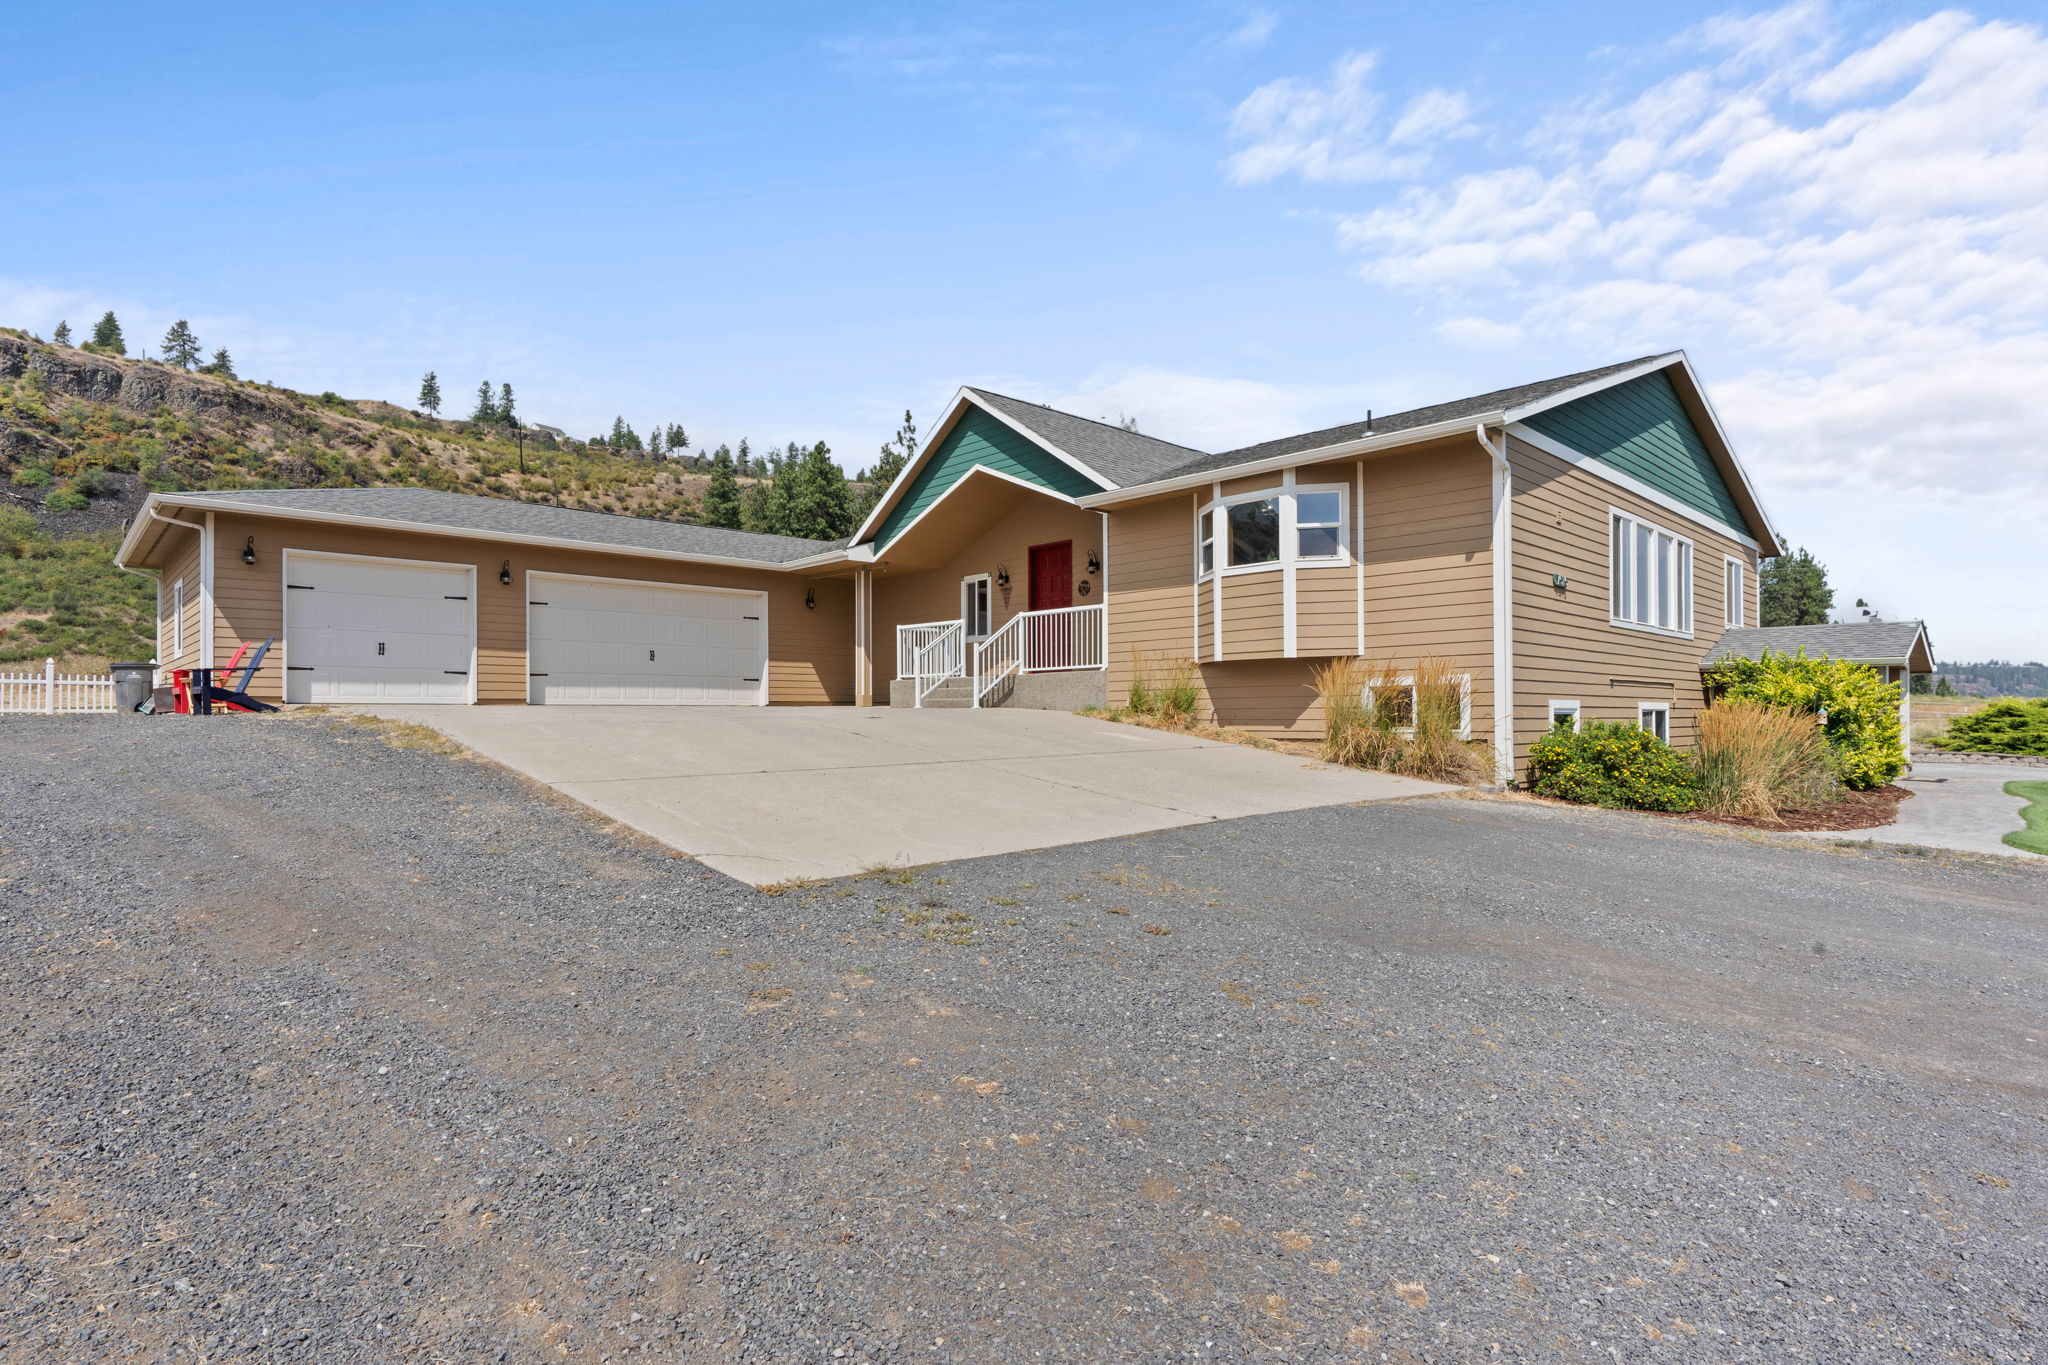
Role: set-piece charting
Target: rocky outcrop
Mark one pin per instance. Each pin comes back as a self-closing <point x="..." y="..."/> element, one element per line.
<point x="136" y="385"/>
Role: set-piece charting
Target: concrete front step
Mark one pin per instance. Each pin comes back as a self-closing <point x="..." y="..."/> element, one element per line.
<point x="1065" y="691"/>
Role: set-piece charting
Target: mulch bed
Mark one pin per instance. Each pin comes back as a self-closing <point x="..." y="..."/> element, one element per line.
<point x="1856" y="810"/>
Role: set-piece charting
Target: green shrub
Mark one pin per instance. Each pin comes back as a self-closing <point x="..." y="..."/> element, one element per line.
<point x="1861" y="710"/>
<point x="65" y="500"/>
<point x="92" y="483"/>
<point x="1611" y="763"/>
<point x="2004" y="727"/>
<point x="32" y="476"/>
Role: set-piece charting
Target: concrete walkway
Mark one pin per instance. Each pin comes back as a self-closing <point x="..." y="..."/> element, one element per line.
<point x="1955" y="805"/>
<point x="779" y="793"/>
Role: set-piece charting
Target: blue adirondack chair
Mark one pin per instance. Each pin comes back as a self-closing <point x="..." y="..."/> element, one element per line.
<point x="236" y="696"/>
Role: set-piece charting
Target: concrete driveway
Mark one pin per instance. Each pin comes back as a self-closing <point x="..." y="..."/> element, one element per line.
<point x="1955" y="805"/>
<point x="780" y="793"/>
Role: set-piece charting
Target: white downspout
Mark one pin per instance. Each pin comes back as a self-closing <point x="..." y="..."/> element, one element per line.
<point x="1503" y="607"/>
<point x="206" y="659"/>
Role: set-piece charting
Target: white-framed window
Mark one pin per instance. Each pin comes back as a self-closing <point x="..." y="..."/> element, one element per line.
<point x="1273" y="528"/>
<point x="974" y="611"/>
<point x="1655" y="716"/>
<point x="1651" y="576"/>
<point x="1402" y="704"/>
<point x="1733" y="579"/>
<point x="1565" y="713"/>
<point x="177" y="621"/>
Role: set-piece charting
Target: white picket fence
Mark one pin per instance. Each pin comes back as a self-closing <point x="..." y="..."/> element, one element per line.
<point x="49" y="692"/>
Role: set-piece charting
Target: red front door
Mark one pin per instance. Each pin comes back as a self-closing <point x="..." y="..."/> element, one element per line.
<point x="1052" y="576"/>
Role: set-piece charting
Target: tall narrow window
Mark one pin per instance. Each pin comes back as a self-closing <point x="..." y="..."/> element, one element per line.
<point x="177" y="618"/>
<point x="1735" y="592"/>
<point x="1205" y="554"/>
<point x="1651" y="574"/>
<point x="974" y="606"/>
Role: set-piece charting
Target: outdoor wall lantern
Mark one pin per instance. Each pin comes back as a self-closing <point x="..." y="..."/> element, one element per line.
<point x="1002" y="577"/>
<point x="1094" y="562"/>
<point x="249" y="551"/>
<point x="811" y="598"/>
<point x="505" y="573"/>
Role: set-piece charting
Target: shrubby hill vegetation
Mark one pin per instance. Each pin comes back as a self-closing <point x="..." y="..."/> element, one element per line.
<point x="86" y="432"/>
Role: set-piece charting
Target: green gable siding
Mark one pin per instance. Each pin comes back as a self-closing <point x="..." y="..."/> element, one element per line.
<point x="979" y="439"/>
<point x="1642" y="429"/>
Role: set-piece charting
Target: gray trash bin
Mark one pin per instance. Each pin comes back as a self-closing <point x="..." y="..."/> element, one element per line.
<point x="132" y="684"/>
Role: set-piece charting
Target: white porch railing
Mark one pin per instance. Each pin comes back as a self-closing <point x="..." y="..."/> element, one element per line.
<point x="1048" y="641"/>
<point x="941" y="656"/>
<point x="49" y="692"/>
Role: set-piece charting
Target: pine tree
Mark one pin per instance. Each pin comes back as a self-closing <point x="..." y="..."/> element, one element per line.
<point x="897" y="453"/>
<point x="741" y="461"/>
<point x="764" y="509"/>
<point x="430" y="394"/>
<point x="181" y="347"/>
<point x="486" y="404"/>
<point x="62" y="336"/>
<point x="1943" y="688"/>
<point x="816" y="502"/>
<point x="722" y="497"/>
<point x="106" y="335"/>
<point x="505" y="413"/>
<point x="220" y="365"/>
<point x="1792" y="590"/>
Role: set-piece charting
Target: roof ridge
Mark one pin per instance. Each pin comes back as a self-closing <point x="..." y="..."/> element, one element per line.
<point x="1095" y="421"/>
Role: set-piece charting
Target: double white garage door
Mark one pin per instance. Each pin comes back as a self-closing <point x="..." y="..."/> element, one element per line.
<point x="385" y="630"/>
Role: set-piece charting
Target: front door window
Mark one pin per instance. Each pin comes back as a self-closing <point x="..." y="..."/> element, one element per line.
<point x="974" y="606"/>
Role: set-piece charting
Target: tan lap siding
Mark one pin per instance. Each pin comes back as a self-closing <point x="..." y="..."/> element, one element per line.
<point x="810" y="652"/>
<point x="1326" y="611"/>
<point x="181" y="566"/>
<point x="1275" y="697"/>
<point x="908" y="596"/>
<point x="1150" y="588"/>
<point x="1566" y="647"/>
<point x="1429" y="564"/>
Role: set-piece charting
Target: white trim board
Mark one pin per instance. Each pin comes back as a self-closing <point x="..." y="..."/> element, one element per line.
<point x="1599" y="469"/>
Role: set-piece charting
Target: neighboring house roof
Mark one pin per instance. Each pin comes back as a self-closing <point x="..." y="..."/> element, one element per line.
<point x="1479" y="405"/>
<point x="427" y="509"/>
<point x="1121" y="457"/>
<point x="1867" y="642"/>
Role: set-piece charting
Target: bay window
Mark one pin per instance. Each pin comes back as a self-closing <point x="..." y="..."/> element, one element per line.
<point x="1651" y="576"/>
<point x="1272" y="529"/>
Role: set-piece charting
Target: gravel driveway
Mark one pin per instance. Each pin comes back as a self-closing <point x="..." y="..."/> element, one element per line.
<point x="289" y="1077"/>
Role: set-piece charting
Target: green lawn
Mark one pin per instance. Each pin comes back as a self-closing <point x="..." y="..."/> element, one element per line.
<point x="2034" y="838"/>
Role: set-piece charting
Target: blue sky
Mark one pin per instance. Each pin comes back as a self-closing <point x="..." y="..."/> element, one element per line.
<point x="1231" y="221"/>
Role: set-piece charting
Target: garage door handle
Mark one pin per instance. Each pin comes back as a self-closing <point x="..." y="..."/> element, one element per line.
<point x="300" y="587"/>
<point x="536" y="604"/>
<point x="536" y="675"/>
<point x="450" y="597"/>
<point x="298" y="668"/>
<point x="750" y="680"/>
<point x="457" y="672"/>
<point x="750" y="618"/>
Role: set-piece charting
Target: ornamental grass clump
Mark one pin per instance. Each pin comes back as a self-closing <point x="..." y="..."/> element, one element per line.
<point x="1614" y="764"/>
<point x="1356" y="731"/>
<point x="1164" y="688"/>
<point x="1436" y="750"/>
<point x="1755" y="761"/>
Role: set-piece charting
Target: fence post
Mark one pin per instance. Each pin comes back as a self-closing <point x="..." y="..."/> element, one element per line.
<point x="49" y="687"/>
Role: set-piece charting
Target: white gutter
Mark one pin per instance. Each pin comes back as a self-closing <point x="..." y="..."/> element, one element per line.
<point x="1503" y="606"/>
<point x="471" y="533"/>
<point x="1317" y="455"/>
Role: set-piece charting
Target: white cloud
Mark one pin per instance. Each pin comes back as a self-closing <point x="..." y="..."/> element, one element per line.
<point x="1850" y="229"/>
<point x="1256" y="30"/>
<point x="1332" y="132"/>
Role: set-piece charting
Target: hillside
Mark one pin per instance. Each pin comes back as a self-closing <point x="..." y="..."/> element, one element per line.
<point x="1997" y="678"/>
<point x="85" y="437"/>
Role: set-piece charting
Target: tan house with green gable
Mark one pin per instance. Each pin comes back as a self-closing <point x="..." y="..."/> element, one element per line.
<point x="1575" y="546"/>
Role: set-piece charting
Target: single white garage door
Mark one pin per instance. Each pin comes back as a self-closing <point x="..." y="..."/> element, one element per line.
<point x="611" y="641"/>
<point x="371" y="630"/>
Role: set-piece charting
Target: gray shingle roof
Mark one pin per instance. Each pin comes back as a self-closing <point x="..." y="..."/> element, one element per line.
<point x="1394" y="422"/>
<point x="1122" y="457"/>
<point x="1864" y="640"/>
<point x="430" y="509"/>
